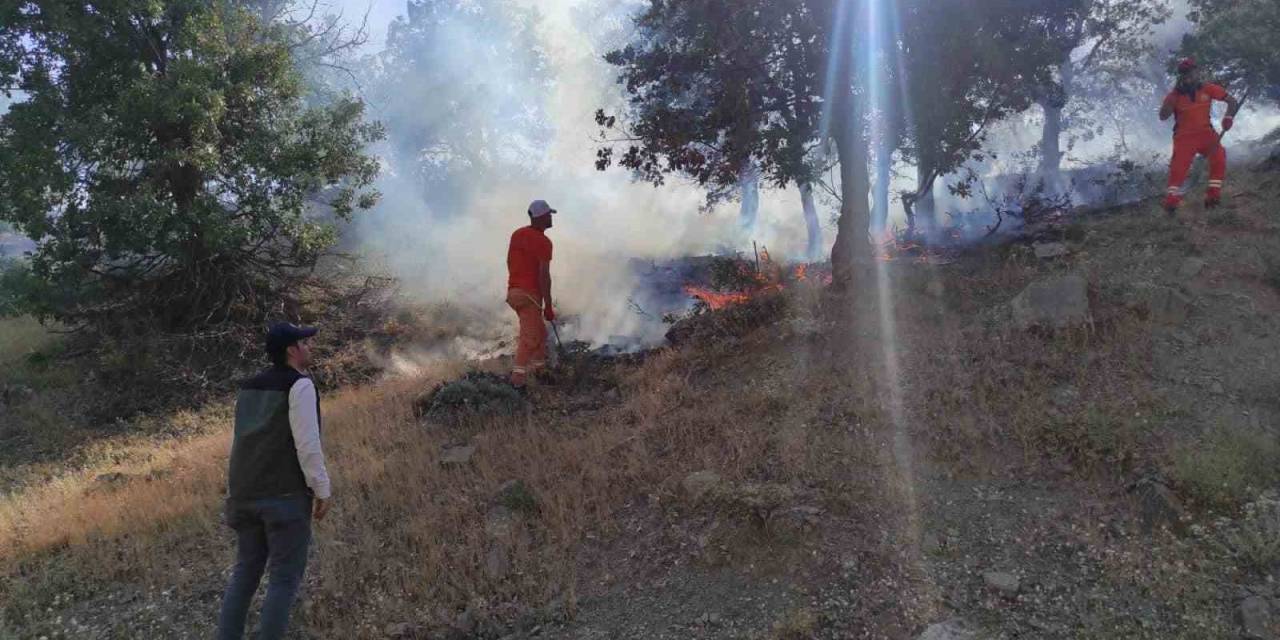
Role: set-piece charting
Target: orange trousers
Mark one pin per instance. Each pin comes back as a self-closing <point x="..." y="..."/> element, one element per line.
<point x="531" y="348"/>
<point x="1185" y="150"/>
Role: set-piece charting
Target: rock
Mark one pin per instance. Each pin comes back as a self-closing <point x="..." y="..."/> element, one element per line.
<point x="465" y="622"/>
<point x="1006" y="583"/>
<point x="1064" y="397"/>
<point x="1158" y="506"/>
<point x="107" y="482"/>
<point x="1054" y="303"/>
<point x="497" y="563"/>
<point x="1257" y="619"/>
<point x="1168" y="305"/>
<point x="1190" y="268"/>
<point x="1217" y="389"/>
<point x="613" y="395"/>
<point x="699" y="483"/>
<point x="930" y="543"/>
<point x="1047" y="250"/>
<point x="398" y="630"/>
<point x="457" y="456"/>
<point x="111" y="478"/>
<point x="954" y="629"/>
<point x="935" y="288"/>
<point x="798" y="520"/>
<point x="16" y="394"/>
<point x="499" y="523"/>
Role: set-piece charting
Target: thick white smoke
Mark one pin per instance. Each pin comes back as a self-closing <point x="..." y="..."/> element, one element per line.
<point x="605" y="218"/>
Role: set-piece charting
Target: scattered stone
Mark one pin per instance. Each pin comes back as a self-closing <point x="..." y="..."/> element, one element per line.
<point x="1258" y="619"/>
<point x="16" y="394"/>
<point x="1158" y="506"/>
<point x="1054" y="303"/>
<point x="1168" y="305"/>
<point x="497" y="563"/>
<point x="398" y="630"/>
<point x="1047" y="250"/>
<point x="930" y="543"/>
<point x="699" y="483"/>
<point x="111" y="478"/>
<point x="108" y="482"/>
<point x="499" y="522"/>
<point x="1006" y="583"/>
<point x="799" y="519"/>
<point x="457" y="456"/>
<point x="1064" y="397"/>
<point x="954" y="629"/>
<point x="465" y="622"/>
<point x="1190" y="268"/>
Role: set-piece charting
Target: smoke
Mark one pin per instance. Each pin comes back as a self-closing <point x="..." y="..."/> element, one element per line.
<point x="448" y="241"/>
<point x="445" y="237"/>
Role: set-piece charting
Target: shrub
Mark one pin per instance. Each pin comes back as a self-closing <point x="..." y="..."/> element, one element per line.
<point x="1228" y="467"/>
<point x="1254" y="539"/>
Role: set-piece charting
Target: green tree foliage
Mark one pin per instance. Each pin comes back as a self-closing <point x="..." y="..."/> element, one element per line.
<point x="714" y="86"/>
<point x="1100" y="47"/>
<point x="967" y="66"/>
<point x="464" y="84"/>
<point x="165" y="162"/>
<point x="1238" y="43"/>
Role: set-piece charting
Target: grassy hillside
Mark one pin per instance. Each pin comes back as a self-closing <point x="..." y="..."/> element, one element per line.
<point x="803" y="466"/>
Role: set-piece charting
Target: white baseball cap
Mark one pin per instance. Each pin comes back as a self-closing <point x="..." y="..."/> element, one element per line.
<point x="539" y="208"/>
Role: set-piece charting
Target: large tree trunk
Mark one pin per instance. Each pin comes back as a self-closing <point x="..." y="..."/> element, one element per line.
<point x="851" y="253"/>
<point x="1051" y="134"/>
<point x="813" y="248"/>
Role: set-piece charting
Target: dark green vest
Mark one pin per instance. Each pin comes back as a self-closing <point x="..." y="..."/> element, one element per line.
<point x="264" y="461"/>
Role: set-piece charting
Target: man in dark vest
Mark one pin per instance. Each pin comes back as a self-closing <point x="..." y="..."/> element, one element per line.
<point x="277" y="483"/>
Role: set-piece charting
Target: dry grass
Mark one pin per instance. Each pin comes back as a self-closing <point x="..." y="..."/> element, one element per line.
<point x="21" y="337"/>
<point x="1080" y="394"/>
<point x="407" y="538"/>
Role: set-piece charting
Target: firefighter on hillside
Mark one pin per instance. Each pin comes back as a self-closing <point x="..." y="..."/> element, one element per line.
<point x="1190" y="103"/>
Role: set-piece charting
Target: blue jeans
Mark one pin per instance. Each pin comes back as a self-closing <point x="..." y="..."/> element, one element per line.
<point x="268" y="530"/>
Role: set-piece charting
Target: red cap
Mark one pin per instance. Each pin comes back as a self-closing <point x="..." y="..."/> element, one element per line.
<point x="1186" y="65"/>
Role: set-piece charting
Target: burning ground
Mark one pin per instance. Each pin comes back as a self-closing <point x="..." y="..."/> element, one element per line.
<point x="799" y="465"/>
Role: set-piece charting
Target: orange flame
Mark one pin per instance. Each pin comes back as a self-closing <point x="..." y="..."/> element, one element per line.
<point x="716" y="300"/>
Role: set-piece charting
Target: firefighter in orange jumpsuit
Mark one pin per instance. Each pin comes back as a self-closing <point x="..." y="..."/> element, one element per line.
<point x="529" y="290"/>
<point x="1190" y="103"/>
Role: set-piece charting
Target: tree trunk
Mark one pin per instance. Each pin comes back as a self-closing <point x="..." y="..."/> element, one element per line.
<point x="813" y="248"/>
<point x="926" y="214"/>
<point x="1051" y="135"/>
<point x="749" y="181"/>
<point x="884" y="160"/>
<point x="852" y="251"/>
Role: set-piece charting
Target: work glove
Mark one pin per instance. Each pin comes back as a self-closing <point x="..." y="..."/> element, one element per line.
<point x="549" y="314"/>
<point x="1227" y="122"/>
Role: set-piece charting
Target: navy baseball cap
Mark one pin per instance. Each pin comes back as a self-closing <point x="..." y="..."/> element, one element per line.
<point x="283" y="334"/>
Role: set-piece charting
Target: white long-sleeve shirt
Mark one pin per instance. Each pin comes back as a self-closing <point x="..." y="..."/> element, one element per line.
<point x="304" y="422"/>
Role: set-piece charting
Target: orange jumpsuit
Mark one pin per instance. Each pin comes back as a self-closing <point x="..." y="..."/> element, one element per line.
<point x="1193" y="134"/>
<point x="529" y="248"/>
